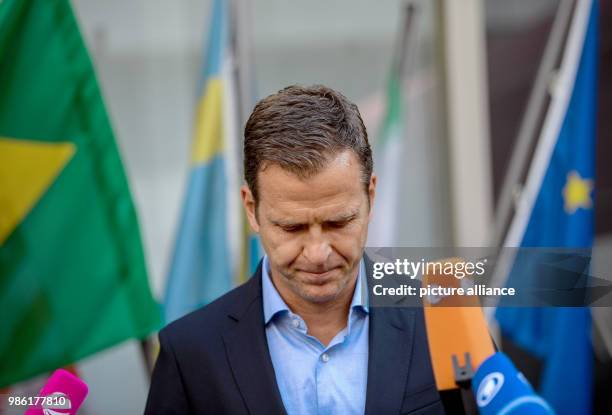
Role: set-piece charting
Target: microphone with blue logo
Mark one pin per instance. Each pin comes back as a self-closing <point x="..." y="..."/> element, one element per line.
<point x="471" y="376"/>
<point x="500" y="389"/>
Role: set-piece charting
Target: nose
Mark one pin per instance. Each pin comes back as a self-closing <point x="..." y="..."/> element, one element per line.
<point x="317" y="248"/>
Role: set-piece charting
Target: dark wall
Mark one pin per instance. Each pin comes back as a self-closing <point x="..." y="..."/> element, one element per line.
<point x="603" y="201"/>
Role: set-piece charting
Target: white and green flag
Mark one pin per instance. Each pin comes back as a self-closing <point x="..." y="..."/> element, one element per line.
<point x="388" y="158"/>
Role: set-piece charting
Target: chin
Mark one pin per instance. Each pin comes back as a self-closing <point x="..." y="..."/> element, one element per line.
<point x="320" y="293"/>
<point x="318" y="298"/>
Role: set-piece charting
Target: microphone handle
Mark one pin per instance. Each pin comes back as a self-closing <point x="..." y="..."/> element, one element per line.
<point x="469" y="403"/>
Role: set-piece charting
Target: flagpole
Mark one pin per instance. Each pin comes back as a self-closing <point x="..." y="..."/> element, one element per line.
<point x="242" y="35"/>
<point x="147" y="346"/>
<point x="531" y="122"/>
<point x="402" y="45"/>
<point x="242" y="15"/>
<point x="526" y="141"/>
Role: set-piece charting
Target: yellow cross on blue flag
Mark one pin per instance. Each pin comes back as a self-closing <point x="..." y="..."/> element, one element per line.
<point x="205" y="261"/>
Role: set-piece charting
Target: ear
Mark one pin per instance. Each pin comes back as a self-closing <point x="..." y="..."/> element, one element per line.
<point x="372" y="194"/>
<point x="248" y="201"/>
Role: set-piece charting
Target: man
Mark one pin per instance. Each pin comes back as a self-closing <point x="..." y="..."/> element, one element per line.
<point x="299" y="337"/>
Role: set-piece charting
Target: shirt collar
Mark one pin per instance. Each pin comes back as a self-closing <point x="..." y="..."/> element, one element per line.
<point x="274" y="304"/>
<point x="272" y="301"/>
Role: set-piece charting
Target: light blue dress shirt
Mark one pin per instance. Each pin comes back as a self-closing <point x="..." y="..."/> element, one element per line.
<point x="313" y="378"/>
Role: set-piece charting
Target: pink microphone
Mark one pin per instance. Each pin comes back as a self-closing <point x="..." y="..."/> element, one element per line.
<point x="63" y="394"/>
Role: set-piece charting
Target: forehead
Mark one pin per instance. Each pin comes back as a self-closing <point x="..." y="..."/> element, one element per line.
<point x="334" y="190"/>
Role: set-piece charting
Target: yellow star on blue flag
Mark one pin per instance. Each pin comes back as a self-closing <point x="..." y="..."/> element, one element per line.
<point x="577" y="192"/>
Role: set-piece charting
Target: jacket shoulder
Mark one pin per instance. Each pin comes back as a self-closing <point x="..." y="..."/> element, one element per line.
<point x="212" y="318"/>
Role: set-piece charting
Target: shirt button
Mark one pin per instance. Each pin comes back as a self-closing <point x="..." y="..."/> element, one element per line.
<point x="296" y="323"/>
<point x="325" y="357"/>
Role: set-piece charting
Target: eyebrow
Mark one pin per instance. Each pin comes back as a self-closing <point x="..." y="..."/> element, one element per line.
<point x="343" y="217"/>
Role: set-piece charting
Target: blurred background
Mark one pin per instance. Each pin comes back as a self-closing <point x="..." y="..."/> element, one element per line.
<point x="461" y="72"/>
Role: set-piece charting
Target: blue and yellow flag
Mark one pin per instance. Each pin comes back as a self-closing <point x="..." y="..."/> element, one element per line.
<point x="205" y="261"/>
<point x="556" y="210"/>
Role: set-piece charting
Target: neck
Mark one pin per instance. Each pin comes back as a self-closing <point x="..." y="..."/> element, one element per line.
<point x="324" y="320"/>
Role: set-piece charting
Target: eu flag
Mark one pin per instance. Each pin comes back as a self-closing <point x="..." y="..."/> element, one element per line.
<point x="556" y="210"/>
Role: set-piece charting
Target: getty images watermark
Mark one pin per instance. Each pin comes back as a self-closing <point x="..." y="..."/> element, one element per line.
<point x="507" y="277"/>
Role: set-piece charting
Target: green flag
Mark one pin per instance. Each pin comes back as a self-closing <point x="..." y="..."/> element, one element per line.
<point x="390" y="168"/>
<point x="72" y="274"/>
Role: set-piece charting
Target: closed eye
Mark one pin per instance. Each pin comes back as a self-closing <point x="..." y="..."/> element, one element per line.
<point x="339" y="224"/>
<point x="292" y="228"/>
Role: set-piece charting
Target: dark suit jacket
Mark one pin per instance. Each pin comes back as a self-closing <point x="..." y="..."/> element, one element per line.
<point x="216" y="361"/>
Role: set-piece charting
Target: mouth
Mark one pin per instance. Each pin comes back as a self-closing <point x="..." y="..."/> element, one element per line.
<point x="318" y="277"/>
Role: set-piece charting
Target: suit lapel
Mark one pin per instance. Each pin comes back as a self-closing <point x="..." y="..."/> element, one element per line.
<point x="247" y="351"/>
<point x="390" y="340"/>
<point x="390" y="346"/>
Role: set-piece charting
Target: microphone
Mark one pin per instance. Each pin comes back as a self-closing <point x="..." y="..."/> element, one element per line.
<point x="458" y="338"/>
<point x="499" y="388"/>
<point x="456" y="327"/>
<point x="64" y="393"/>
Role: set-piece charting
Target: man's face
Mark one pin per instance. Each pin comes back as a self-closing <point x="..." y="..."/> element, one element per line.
<point x="314" y="229"/>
